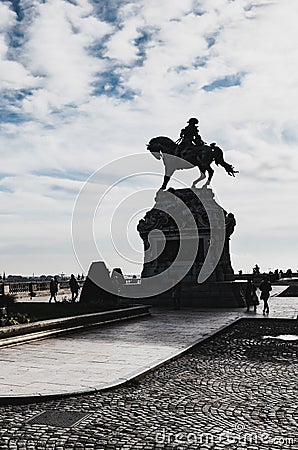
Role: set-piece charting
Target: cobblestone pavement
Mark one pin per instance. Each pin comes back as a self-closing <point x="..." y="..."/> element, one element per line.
<point x="237" y="390"/>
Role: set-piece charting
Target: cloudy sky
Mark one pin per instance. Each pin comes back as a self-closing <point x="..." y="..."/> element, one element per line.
<point x="84" y="83"/>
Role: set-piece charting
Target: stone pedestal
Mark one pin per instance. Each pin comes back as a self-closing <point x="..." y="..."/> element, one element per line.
<point x="188" y="219"/>
<point x="98" y="288"/>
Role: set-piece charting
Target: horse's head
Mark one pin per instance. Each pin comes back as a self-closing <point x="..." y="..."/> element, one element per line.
<point x="155" y="148"/>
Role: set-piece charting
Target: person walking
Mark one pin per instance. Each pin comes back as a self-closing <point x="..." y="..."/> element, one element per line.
<point x="53" y="289"/>
<point x="176" y="295"/>
<point x="265" y="288"/>
<point x="251" y="295"/>
<point x="74" y="288"/>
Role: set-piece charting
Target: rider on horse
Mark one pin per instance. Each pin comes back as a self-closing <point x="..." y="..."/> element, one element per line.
<point x="189" y="138"/>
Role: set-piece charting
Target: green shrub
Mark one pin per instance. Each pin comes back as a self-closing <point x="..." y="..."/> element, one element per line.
<point x="14" y="319"/>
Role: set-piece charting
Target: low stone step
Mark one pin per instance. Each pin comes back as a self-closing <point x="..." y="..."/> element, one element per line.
<point x="18" y="334"/>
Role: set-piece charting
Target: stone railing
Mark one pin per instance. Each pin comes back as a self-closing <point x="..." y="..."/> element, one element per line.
<point x="38" y="288"/>
<point x="42" y="288"/>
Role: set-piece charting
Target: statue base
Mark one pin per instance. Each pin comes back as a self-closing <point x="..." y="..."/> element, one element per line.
<point x="182" y="218"/>
<point x="226" y="294"/>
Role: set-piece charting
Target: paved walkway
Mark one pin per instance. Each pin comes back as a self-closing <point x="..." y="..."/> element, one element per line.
<point x="103" y="357"/>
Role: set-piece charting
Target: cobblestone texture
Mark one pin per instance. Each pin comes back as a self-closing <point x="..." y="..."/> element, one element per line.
<point x="236" y="391"/>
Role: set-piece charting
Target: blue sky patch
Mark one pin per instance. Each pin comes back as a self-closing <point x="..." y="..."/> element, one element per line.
<point x="16" y="7"/>
<point x="66" y="190"/>
<point x="145" y="36"/>
<point x="107" y="10"/>
<point x="211" y="41"/>
<point x="61" y="174"/>
<point x="178" y="69"/>
<point x="200" y="61"/>
<point x="109" y="83"/>
<point x="226" y="82"/>
<point x="15" y="37"/>
<point x="9" y="103"/>
<point x="9" y="116"/>
<point x="290" y="136"/>
<point x="6" y="189"/>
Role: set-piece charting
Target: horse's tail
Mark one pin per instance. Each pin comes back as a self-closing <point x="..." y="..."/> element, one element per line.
<point x="218" y="154"/>
<point x="219" y="160"/>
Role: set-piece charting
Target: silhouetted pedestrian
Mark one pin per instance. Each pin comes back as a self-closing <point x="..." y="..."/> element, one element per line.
<point x="31" y="293"/>
<point x="53" y="289"/>
<point x="251" y="295"/>
<point x="256" y="270"/>
<point x="276" y="275"/>
<point x="74" y="288"/>
<point x="176" y="295"/>
<point x="265" y="288"/>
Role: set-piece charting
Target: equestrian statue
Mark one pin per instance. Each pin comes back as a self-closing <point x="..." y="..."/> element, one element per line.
<point x="190" y="151"/>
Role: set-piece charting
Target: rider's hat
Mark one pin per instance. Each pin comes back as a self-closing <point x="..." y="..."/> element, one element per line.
<point x="193" y="120"/>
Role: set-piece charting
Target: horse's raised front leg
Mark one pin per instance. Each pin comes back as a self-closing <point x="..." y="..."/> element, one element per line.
<point x="202" y="176"/>
<point x="168" y="173"/>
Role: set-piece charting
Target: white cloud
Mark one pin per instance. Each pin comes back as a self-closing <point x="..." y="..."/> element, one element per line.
<point x="7" y="17"/>
<point x="13" y="74"/>
<point x="121" y="46"/>
<point x="57" y="50"/>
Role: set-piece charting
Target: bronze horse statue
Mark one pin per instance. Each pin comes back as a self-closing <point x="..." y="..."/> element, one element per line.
<point x="196" y="156"/>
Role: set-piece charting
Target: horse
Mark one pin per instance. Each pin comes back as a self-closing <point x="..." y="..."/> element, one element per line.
<point x="196" y="156"/>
